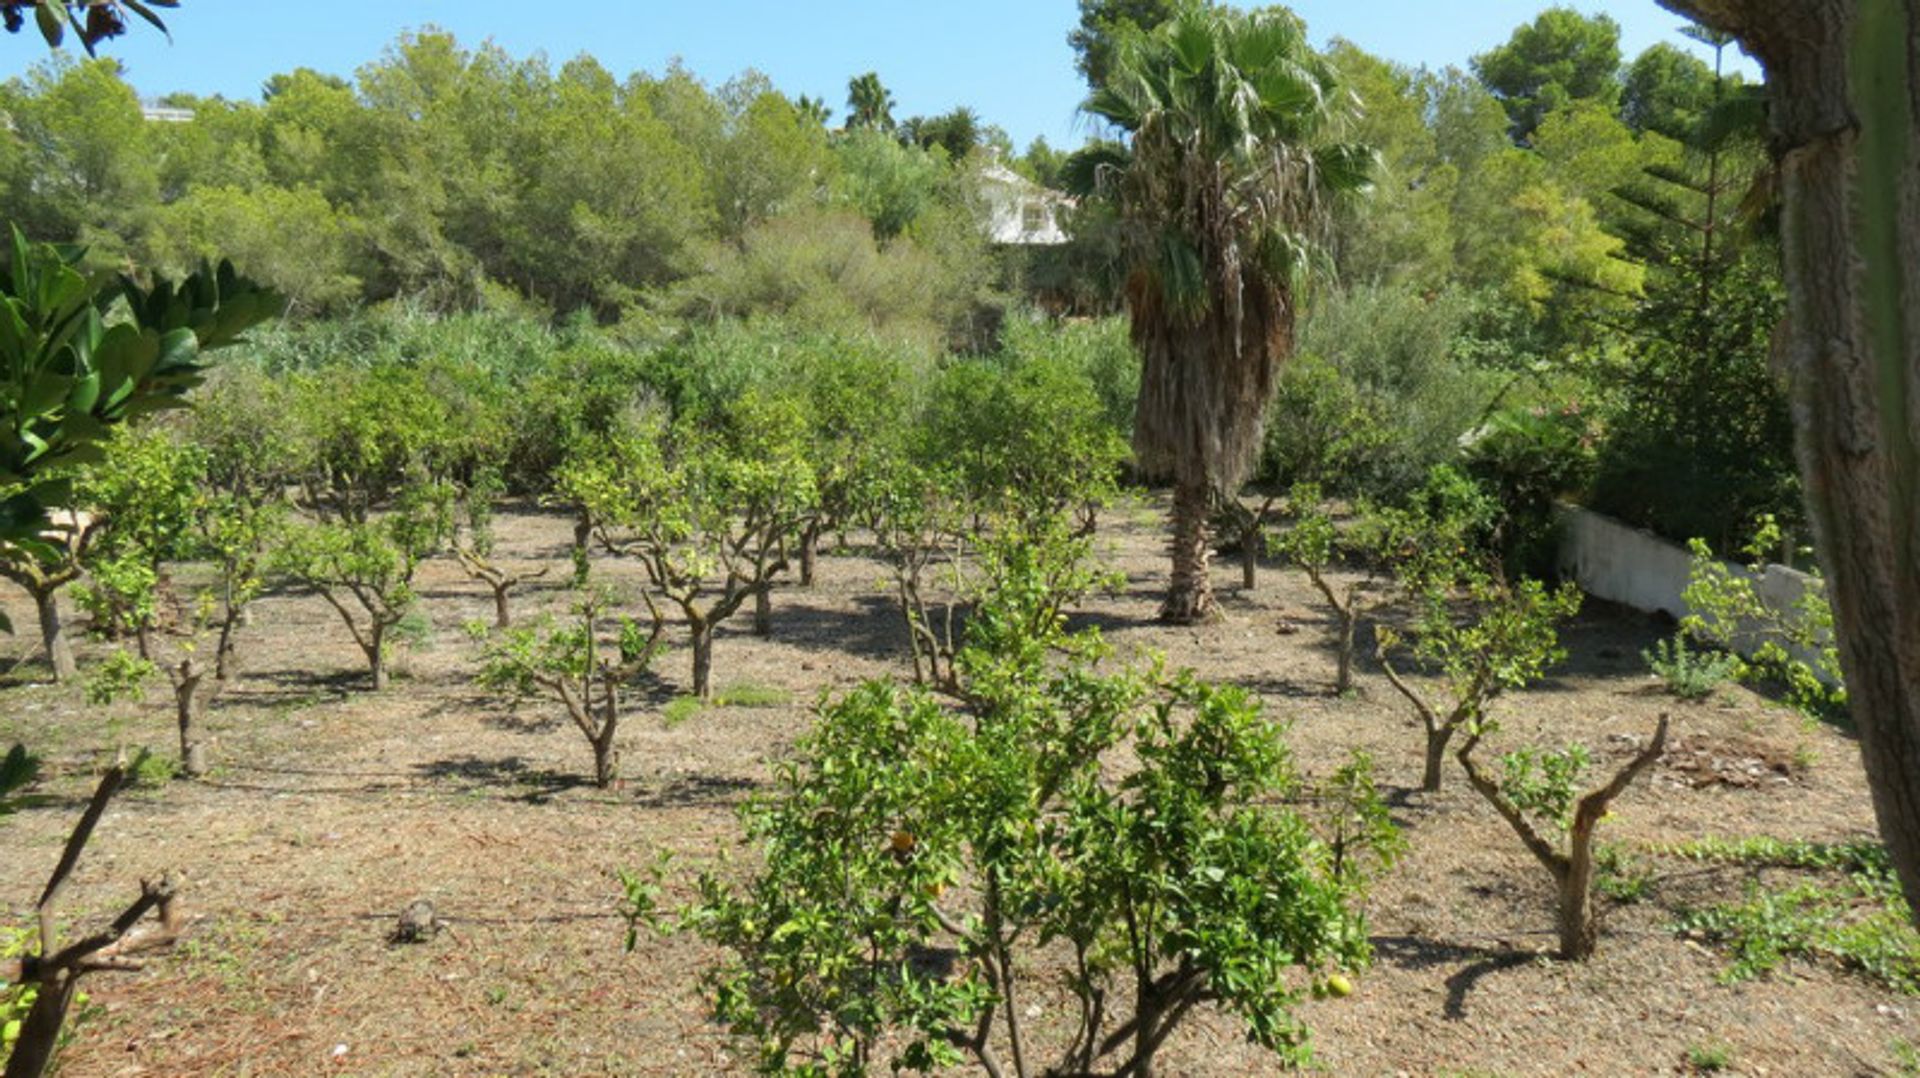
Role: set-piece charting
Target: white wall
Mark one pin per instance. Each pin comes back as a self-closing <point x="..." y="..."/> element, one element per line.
<point x="1623" y="564"/>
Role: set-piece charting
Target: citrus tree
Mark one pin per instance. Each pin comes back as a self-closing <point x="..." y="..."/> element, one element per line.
<point x="364" y="569"/>
<point x="915" y="856"/>
<point x="184" y="623"/>
<point x="1484" y="638"/>
<point x="577" y="666"/>
<point x="1537" y="793"/>
<point x="710" y="514"/>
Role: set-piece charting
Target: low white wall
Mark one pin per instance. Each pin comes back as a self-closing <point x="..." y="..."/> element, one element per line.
<point x="1632" y="566"/>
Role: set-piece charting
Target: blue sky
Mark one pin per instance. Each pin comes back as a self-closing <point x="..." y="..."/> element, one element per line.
<point x="1008" y="59"/>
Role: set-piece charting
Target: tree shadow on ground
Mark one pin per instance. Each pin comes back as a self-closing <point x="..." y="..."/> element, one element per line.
<point x="689" y="791"/>
<point x="874" y="629"/>
<point x="300" y="686"/>
<point x="1415" y="953"/>
<point x="1110" y="622"/>
<point x="1274" y="685"/>
<point x="1604" y="642"/>
<point x="539" y="785"/>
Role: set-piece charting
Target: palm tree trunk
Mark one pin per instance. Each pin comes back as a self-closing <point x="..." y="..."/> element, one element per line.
<point x="1190" y="591"/>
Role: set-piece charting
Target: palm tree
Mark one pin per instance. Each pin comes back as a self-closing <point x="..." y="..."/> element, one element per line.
<point x="813" y="108"/>
<point x="869" y="104"/>
<point x="1222" y="185"/>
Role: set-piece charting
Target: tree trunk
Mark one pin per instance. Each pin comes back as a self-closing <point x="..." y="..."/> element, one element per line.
<point x="1190" y="591"/>
<point x="40" y="1030"/>
<point x="502" y="617"/>
<point x="53" y="634"/>
<point x="1436" y="758"/>
<point x="809" y="550"/>
<point x="1343" y="681"/>
<point x="1844" y="79"/>
<point x="763" y="611"/>
<point x="186" y="704"/>
<point x="606" y="759"/>
<point x="224" y="664"/>
<point x="377" y="656"/>
<point x="605" y="765"/>
<point x="1579" y="933"/>
<point x="1146" y="1024"/>
<point x="702" y="659"/>
<point x="1249" y="558"/>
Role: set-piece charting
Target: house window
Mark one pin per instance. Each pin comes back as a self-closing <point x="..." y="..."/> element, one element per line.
<point x="1033" y="217"/>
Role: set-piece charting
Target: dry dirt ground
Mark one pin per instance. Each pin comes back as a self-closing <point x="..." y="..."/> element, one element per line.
<point x="330" y="808"/>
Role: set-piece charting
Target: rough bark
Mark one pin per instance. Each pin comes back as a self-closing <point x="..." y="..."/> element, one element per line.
<point x="763" y="612"/>
<point x="53" y="634"/>
<point x="1249" y="559"/>
<point x="1844" y="78"/>
<point x="1190" y="591"/>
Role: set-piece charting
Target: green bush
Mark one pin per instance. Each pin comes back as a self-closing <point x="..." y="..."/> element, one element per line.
<point x="1378" y="395"/>
<point x="1527" y="459"/>
<point x="1792" y="647"/>
<point x="914" y="856"/>
<point x="1699" y="440"/>
<point x="1690" y="674"/>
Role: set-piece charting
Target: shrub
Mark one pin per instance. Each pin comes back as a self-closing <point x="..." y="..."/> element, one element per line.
<point x="913" y="857"/>
<point x="1860" y="921"/>
<point x="1526" y="460"/>
<point x="1690" y="674"/>
<point x="1388" y="387"/>
<point x="1792" y="646"/>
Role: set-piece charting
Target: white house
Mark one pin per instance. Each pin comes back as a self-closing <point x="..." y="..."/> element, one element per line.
<point x="164" y="114"/>
<point x="1020" y="212"/>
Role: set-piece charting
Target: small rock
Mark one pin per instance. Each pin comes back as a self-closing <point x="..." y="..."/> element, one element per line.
<point x="417" y="923"/>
